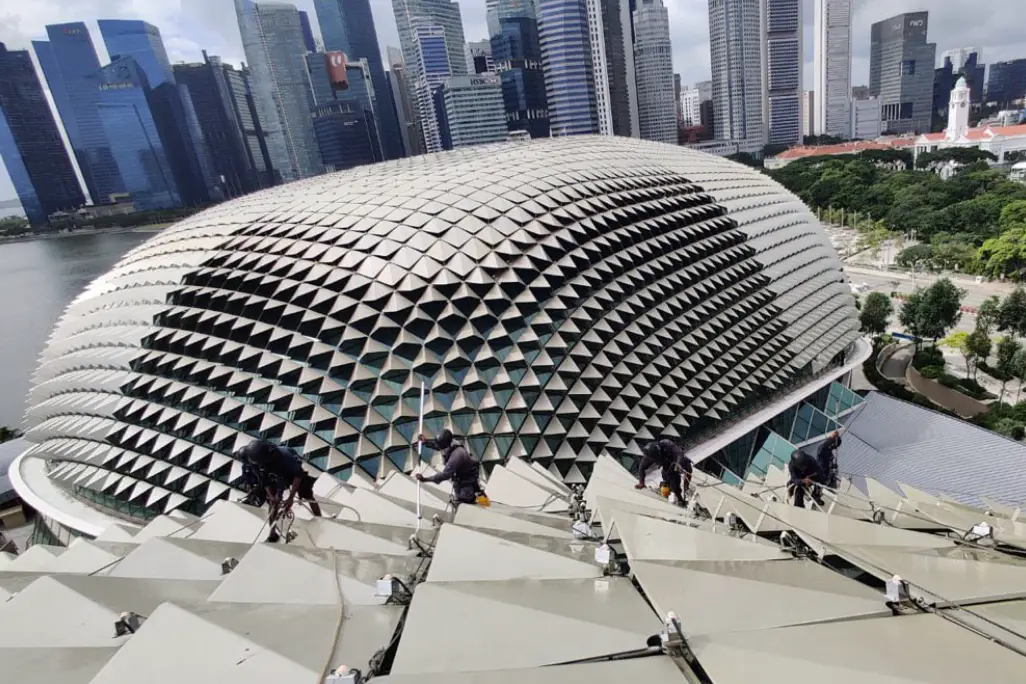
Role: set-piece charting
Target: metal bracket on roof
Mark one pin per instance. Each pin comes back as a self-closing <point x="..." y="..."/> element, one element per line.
<point x="980" y="532"/>
<point x="128" y="623"/>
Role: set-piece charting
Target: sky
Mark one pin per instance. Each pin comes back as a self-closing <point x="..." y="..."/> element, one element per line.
<point x="189" y="26"/>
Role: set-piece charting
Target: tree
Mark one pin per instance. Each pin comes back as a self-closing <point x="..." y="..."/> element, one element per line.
<point x="1012" y="316"/>
<point x="988" y="314"/>
<point x="979" y="347"/>
<point x="1019" y="370"/>
<point x="910" y="255"/>
<point x="1013" y="213"/>
<point x="972" y="346"/>
<point x="875" y="313"/>
<point x="1004" y="255"/>
<point x="1007" y="349"/>
<point x="909" y="315"/>
<point x="939" y="309"/>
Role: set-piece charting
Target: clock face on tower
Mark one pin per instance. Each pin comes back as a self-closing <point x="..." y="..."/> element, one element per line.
<point x="962" y="105"/>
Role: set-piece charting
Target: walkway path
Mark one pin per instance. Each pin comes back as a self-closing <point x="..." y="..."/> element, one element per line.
<point x="894" y="367"/>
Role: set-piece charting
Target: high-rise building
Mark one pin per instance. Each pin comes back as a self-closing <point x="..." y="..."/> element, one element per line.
<point x="442" y="14"/>
<point x="479" y="57"/>
<point x="901" y="72"/>
<point x="808" y="113"/>
<point x="690" y="107"/>
<point x="832" y="67"/>
<point x="308" y="38"/>
<point x="219" y="115"/>
<point x="676" y="94"/>
<point x="653" y="61"/>
<point x="735" y="39"/>
<point x="405" y="107"/>
<point x="272" y="38"/>
<point x="865" y="119"/>
<point x="516" y="53"/>
<point x="568" y="66"/>
<point x="1006" y="82"/>
<point x="433" y="68"/>
<point x="470" y="111"/>
<point x="959" y="56"/>
<point x="610" y="31"/>
<point x="68" y="60"/>
<point x="860" y="93"/>
<point x="345" y="134"/>
<point x="782" y="71"/>
<point x="348" y="26"/>
<point x="171" y="109"/>
<point x="30" y="142"/>
<point x="705" y="91"/>
<point x="123" y="103"/>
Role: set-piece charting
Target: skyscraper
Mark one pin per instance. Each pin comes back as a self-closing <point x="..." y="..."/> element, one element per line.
<point x="958" y="57"/>
<point x="901" y="72"/>
<point x="479" y="57"/>
<point x="1006" y="82"/>
<point x="690" y="107"/>
<point x="470" y="111"/>
<point x="832" y="67"/>
<point x="568" y="66"/>
<point x="653" y="60"/>
<point x="782" y="75"/>
<point x="210" y="88"/>
<point x="443" y="14"/>
<point x="516" y="52"/>
<point x="735" y="39"/>
<point x="123" y="104"/>
<point x="433" y="68"/>
<point x="30" y="143"/>
<point x="808" y="113"/>
<point x="612" y="57"/>
<point x="171" y="109"/>
<point x="272" y="37"/>
<point x="348" y="26"/>
<point x="68" y="59"/>
<point x="405" y="107"/>
<point x="308" y="38"/>
<point x="345" y="135"/>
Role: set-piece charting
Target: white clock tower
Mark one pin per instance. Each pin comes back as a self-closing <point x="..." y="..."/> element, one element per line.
<point x="958" y="112"/>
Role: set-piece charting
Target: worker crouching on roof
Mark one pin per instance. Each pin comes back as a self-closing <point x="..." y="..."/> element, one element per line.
<point x="827" y="457"/>
<point x="676" y="467"/>
<point x="279" y="464"/>
<point x="460" y="467"/>
<point x="805" y="477"/>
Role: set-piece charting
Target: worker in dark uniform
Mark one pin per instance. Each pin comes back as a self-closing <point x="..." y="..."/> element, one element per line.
<point x="805" y="476"/>
<point x="676" y="467"/>
<point x="827" y="457"/>
<point x="279" y="464"/>
<point x="460" y="467"/>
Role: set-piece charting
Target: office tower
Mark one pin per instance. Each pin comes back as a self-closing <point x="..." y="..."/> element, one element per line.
<point x="479" y="57"/>
<point x="613" y="66"/>
<point x="901" y="72"/>
<point x="308" y="39"/>
<point x="568" y="67"/>
<point x="653" y="60"/>
<point x="808" y="113"/>
<point x="832" y="67"/>
<point x="1006" y="82"/>
<point x="690" y="107"/>
<point x="782" y="71"/>
<point x="124" y="110"/>
<point x="945" y="78"/>
<point x="959" y="56"/>
<point x="68" y="60"/>
<point x="735" y="39"/>
<point x="860" y="93"/>
<point x="405" y="107"/>
<point x="346" y="135"/>
<point x="320" y="83"/>
<point x="470" y="111"/>
<point x="676" y="94"/>
<point x="171" y="109"/>
<point x="348" y="26"/>
<point x="240" y="85"/>
<point x="704" y="89"/>
<point x="214" y="101"/>
<point x="272" y="38"/>
<point x="865" y="119"/>
<point x="433" y="68"/>
<point x="516" y="51"/>
<point x="442" y="14"/>
<point x="30" y="143"/>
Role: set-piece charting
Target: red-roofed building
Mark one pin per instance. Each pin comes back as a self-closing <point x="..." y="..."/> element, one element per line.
<point x="854" y="147"/>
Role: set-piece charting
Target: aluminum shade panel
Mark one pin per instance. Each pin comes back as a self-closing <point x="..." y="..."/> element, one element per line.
<point x="650" y="539"/>
<point x="658" y="670"/>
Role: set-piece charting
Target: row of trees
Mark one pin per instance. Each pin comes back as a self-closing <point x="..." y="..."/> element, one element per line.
<point x="975" y="222"/>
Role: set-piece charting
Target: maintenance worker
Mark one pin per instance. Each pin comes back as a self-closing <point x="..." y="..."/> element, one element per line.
<point x="805" y="477"/>
<point x="676" y="467"/>
<point x="279" y="464"/>
<point x="827" y="457"/>
<point x="460" y="467"/>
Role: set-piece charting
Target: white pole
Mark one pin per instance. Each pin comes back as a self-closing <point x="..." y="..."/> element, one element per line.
<point x="420" y="448"/>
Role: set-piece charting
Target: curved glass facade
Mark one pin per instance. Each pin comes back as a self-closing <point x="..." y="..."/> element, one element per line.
<point x="558" y="299"/>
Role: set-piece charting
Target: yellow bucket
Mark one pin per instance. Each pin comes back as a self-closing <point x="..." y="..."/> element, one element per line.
<point x="482" y="500"/>
<point x="665" y="491"/>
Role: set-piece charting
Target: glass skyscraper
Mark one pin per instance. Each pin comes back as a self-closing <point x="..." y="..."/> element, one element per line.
<point x="434" y="68"/>
<point x="124" y="111"/>
<point x="30" y="143"/>
<point x="138" y="39"/>
<point x="69" y="62"/>
<point x="653" y="61"/>
<point x="272" y="37"/>
<point x="348" y="26"/>
<point x="567" y="63"/>
<point x="516" y="56"/>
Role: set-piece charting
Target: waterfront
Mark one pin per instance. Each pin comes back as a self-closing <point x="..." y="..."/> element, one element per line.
<point x="38" y="279"/>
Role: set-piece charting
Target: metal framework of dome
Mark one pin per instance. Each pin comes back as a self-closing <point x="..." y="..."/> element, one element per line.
<point x="561" y="299"/>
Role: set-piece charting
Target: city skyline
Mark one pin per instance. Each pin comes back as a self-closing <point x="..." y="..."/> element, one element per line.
<point x="194" y="25"/>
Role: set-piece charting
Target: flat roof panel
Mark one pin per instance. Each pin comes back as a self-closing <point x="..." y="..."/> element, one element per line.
<point x="646" y="538"/>
<point x="657" y="670"/>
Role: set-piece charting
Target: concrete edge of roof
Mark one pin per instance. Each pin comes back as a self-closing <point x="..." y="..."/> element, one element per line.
<point x="51" y="509"/>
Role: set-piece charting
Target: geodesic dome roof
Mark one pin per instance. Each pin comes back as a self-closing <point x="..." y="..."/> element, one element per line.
<point x="559" y="299"/>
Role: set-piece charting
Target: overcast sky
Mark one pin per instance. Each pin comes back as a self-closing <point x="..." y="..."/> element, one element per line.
<point x="189" y="26"/>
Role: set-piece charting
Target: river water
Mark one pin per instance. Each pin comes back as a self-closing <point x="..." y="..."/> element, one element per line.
<point x="38" y="279"/>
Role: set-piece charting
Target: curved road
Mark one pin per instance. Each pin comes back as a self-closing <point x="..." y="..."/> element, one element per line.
<point x="894" y="367"/>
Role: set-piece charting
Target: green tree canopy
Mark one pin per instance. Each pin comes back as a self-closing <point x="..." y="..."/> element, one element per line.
<point x="988" y="314"/>
<point x="939" y="309"/>
<point x="875" y="313"/>
<point x="1012" y="316"/>
<point x="1007" y="349"/>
